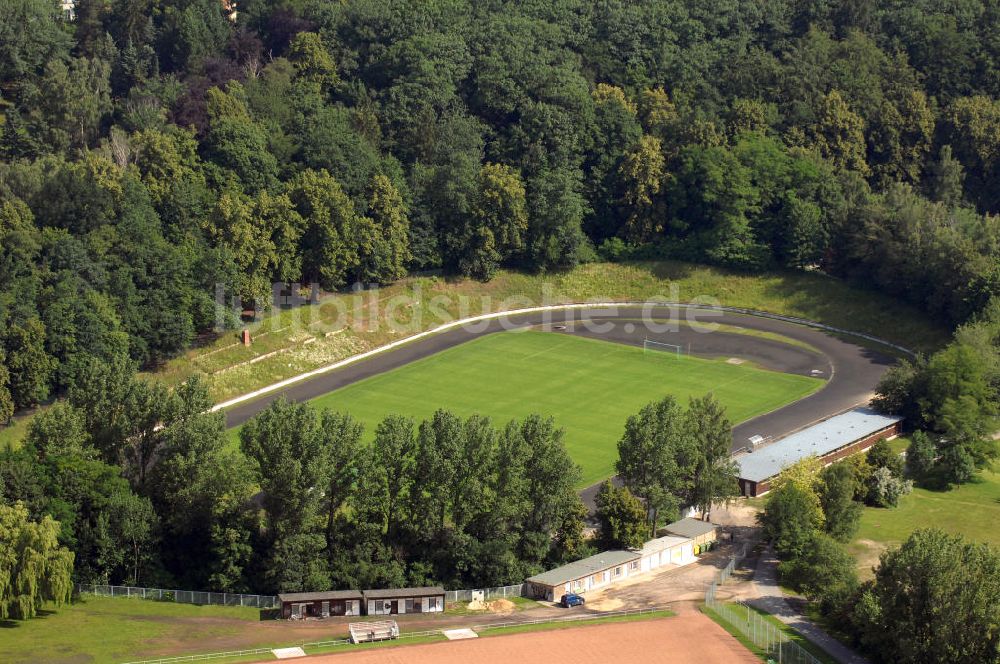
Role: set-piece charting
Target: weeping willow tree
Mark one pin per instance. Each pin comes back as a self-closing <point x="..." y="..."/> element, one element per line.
<point x="34" y="569"/>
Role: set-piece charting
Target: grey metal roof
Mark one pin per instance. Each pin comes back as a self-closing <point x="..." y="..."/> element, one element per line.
<point x="319" y="596"/>
<point x="690" y="527"/>
<point x="819" y="440"/>
<point x="583" y="568"/>
<point x="662" y="544"/>
<point x="395" y="593"/>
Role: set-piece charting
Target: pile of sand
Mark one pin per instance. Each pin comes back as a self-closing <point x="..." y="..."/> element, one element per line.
<point x="501" y="607"/>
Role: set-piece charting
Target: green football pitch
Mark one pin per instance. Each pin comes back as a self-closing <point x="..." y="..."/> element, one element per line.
<point x="590" y="387"/>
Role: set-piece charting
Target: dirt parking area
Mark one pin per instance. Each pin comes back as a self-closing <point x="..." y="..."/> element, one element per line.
<point x="691" y="637"/>
<point x="682" y="588"/>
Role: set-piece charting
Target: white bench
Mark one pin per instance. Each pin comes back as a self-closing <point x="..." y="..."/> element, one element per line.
<point x="382" y="630"/>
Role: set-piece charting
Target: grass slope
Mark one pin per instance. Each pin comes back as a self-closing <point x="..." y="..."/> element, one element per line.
<point x="590" y="387"/>
<point x="972" y="510"/>
<point x="431" y="301"/>
<point x="289" y="342"/>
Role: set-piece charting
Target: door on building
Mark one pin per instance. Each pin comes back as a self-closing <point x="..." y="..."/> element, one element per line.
<point x="395" y="606"/>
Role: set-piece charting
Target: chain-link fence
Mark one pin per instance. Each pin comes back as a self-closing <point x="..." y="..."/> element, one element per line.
<point x="258" y="601"/>
<point x="762" y="633"/>
<point x="181" y="596"/>
<point x="756" y="627"/>
<point x="488" y="593"/>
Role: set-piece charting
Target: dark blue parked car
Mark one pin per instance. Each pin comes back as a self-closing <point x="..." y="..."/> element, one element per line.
<point x="571" y="599"/>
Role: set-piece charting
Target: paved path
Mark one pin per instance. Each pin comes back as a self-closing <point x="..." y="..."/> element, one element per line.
<point x="772" y="600"/>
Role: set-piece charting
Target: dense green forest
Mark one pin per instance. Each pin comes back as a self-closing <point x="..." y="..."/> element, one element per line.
<point x="153" y="149"/>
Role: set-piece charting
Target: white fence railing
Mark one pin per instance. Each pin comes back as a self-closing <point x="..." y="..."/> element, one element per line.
<point x="757" y="628"/>
<point x="181" y="596"/>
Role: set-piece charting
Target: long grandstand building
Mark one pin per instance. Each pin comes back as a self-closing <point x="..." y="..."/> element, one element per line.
<point x="830" y="440"/>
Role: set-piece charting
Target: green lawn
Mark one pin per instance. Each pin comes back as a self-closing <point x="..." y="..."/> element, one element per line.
<point x="104" y="629"/>
<point x="590" y="387"/>
<point x="972" y="510"/>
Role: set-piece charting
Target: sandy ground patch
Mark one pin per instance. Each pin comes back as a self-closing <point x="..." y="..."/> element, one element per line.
<point x="737" y="513"/>
<point x="866" y="553"/>
<point x="691" y="637"/>
<point x="605" y="605"/>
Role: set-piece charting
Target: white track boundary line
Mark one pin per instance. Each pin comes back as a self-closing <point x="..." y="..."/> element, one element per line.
<point x="530" y="310"/>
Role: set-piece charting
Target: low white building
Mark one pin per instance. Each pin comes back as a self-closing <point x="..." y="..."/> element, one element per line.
<point x="597" y="571"/>
<point x="668" y="550"/>
<point x="610" y="567"/>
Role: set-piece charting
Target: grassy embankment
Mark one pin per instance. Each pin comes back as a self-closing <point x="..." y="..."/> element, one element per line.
<point x="289" y="342"/>
<point x="341" y="325"/>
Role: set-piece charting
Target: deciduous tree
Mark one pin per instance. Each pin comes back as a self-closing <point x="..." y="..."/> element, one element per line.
<point x="34" y="569"/>
<point x="933" y="601"/>
<point x="714" y="473"/>
<point x="622" y="518"/>
<point x="842" y="512"/>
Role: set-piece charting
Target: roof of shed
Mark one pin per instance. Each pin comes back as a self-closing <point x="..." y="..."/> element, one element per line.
<point x="319" y="596"/>
<point x="395" y="593"/>
<point x="690" y="527"/>
<point x="662" y="544"/>
<point x="817" y="440"/>
<point x="581" y="568"/>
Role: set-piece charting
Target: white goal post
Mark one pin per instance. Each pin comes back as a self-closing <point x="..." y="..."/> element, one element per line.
<point x="648" y="345"/>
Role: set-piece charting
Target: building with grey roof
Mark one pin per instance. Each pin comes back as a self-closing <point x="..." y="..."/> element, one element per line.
<point x="578" y="577"/>
<point x="830" y="440"/>
<point x="320" y="604"/>
<point x="391" y="601"/>
<point x="696" y="530"/>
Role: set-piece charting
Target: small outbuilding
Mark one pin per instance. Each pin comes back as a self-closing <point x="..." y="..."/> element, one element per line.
<point x="404" y="600"/>
<point x="696" y="530"/>
<point x="320" y="604"/>
<point x="594" y="572"/>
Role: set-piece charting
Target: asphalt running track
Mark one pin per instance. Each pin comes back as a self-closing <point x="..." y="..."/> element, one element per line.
<point x="851" y="371"/>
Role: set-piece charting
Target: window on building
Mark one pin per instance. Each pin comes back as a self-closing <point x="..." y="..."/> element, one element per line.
<point x="634" y="565"/>
<point x="618" y="572"/>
